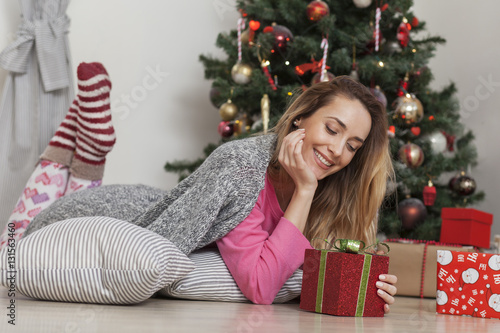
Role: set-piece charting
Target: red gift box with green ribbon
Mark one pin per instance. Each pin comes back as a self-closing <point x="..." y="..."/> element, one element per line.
<point x="342" y="282"/>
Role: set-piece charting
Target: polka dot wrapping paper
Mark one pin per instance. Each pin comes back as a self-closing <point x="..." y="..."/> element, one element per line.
<point x="468" y="284"/>
<point x="342" y="284"/>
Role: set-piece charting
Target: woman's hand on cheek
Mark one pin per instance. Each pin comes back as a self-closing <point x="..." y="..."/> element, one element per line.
<point x="291" y="158"/>
<point x="387" y="289"/>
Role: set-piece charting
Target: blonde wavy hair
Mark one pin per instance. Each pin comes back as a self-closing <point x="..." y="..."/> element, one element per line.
<point x="346" y="203"/>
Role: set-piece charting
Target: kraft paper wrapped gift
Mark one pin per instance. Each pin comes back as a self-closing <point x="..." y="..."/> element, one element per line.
<point x="414" y="263"/>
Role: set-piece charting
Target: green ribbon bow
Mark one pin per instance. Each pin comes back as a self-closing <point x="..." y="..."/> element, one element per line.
<point x="348" y="246"/>
<point x="355" y="246"/>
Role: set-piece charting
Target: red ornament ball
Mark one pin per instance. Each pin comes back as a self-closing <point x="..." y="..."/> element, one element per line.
<point x="316" y="10"/>
<point x="282" y="36"/>
<point x="226" y="129"/>
<point x="411" y="212"/>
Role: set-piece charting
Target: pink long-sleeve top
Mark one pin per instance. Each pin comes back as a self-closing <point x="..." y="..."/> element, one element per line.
<point x="264" y="250"/>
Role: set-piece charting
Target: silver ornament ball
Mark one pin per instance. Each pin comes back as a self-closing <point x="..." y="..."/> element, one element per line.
<point x="362" y="3"/>
<point x="437" y="141"/>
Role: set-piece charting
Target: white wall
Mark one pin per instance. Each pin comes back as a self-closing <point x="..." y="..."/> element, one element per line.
<point x="173" y="121"/>
<point x="176" y="119"/>
<point x="469" y="58"/>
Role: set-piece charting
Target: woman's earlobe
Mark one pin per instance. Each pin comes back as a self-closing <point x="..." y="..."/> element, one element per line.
<point x="296" y="122"/>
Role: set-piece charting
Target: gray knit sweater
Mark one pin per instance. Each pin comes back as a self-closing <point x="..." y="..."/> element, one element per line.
<point x="199" y="210"/>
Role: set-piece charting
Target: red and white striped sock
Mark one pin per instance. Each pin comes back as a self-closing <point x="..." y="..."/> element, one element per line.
<point x="95" y="135"/>
<point x="82" y="141"/>
<point x="62" y="145"/>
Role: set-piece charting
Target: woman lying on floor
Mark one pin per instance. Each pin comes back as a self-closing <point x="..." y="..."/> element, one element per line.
<point x="320" y="174"/>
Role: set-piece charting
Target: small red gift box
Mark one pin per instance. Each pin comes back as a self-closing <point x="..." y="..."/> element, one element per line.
<point x="468" y="284"/>
<point x="466" y="226"/>
<point x="342" y="284"/>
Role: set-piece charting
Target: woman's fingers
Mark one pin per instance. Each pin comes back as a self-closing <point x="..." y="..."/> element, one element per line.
<point x="387" y="289"/>
<point x="292" y="160"/>
<point x="388" y="298"/>
<point x="291" y="150"/>
<point x="297" y="151"/>
<point x="389" y="278"/>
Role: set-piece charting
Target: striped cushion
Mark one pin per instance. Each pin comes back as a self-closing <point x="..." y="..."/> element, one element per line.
<point x="93" y="260"/>
<point x="212" y="281"/>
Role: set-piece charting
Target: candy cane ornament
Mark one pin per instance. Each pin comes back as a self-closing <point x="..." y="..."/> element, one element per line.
<point x="324" y="46"/>
<point x="378" y="15"/>
<point x="241" y="73"/>
<point x="241" y="26"/>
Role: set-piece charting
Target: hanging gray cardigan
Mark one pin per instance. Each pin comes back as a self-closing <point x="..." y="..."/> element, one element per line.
<point x="199" y="210"/>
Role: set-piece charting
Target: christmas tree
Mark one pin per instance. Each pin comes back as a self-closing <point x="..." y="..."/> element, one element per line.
<point x="280" y="47"/>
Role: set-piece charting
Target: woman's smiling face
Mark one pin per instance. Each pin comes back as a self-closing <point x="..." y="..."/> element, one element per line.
<point x="333" y="135"/>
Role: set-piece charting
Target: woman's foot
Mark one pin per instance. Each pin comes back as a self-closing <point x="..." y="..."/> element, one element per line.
<point x="62" y="145"/>
<point x="95" y="135"/>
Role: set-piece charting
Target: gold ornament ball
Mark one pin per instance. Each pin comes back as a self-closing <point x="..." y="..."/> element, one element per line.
<point x="228" y="111"/>
<point x="411" y="155"/>
<point x="408" y="110"/>
<point x="241" y="73"/>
